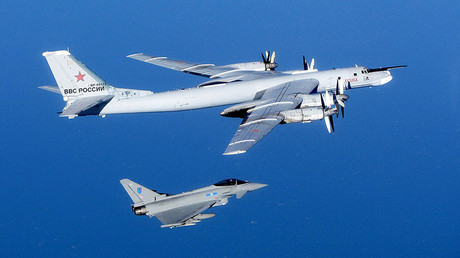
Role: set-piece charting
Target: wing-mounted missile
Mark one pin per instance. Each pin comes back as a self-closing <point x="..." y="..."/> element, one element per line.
<point x="202" y="216"/>
<point x="224" y="201"/>
<point x="269" y="61"/>
<point x="190" y="222"/>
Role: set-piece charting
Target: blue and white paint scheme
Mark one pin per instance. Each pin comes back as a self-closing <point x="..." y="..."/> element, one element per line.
<point x="260" y="95"/>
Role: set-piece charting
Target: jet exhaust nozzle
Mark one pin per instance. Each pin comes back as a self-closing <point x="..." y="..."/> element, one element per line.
<point x="142" y="210"/>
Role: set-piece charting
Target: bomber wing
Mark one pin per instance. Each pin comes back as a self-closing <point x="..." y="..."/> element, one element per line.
<point x="183" y="216"/>
<point x="262" y="118"/>
<point x="242" y="71"/>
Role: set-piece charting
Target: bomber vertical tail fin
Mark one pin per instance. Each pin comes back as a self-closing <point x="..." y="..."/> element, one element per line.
<point x="85" y="92"/>
<point x="73" y="77"/>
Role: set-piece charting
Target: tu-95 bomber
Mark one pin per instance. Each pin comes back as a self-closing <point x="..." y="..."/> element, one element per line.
<point x="262" y="96"/>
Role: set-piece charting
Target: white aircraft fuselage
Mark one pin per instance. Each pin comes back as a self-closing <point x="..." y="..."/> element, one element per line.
<point x="260" y="95"/>
<point x="239" y="92"/>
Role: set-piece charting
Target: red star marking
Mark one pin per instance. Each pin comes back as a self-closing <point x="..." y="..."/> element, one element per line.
<point x="80" y="77"/>
<point x="256" y="130"/>
<point x="181" y="62"/>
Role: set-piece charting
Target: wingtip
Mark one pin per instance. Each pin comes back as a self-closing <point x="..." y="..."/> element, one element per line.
<point x="136" y="54"/>
<point x="59" y="52"/>
<point x="124" y="180"/>
<point x="234" y="152"/>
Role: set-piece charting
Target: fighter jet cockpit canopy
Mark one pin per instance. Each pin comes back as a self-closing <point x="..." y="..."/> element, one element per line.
<point x="231" y="181"/>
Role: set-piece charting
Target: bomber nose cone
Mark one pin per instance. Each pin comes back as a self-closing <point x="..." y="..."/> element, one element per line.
<point x="386" y="79"/>
<point x="255" y="186"/>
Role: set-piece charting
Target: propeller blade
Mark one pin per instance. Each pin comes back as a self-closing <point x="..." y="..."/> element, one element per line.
<point x="348" y="85"/>
<point x="343" y="111"/>
<point x="328" y="123"/>
<point x="312" y="64"/>
<point x="329" y="101"/>
<point x="263" y="58"/>
<point x="341" y="87"/>
<point x="337" y="87"/>
<point x="305" y="64"/>
<point x="272" y="59"/>
<point x="341" y="103"/>
<point x="267" y="56"/>
<point x="332" y="123"/>
<point x="322" y="101"/>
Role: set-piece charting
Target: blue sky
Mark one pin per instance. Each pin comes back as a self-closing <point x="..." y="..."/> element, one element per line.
<point x="385" y="184"/>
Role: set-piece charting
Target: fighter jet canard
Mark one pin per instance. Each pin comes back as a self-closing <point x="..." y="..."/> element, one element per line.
<point x="261" y="96"/>
<point x="185" y="209"/>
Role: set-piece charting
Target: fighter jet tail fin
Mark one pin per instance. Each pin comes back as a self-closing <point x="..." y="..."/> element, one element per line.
<point x="139" y="193"/>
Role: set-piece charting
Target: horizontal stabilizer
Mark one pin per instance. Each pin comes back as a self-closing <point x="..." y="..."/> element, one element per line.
<point x="86" y="106"/>
<point x="51" y="88"/>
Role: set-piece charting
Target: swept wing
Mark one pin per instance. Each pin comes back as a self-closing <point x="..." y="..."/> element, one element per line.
<point x="232" y="72"/>
<point x="261" y="119"/>
<point x="183" y="215"/>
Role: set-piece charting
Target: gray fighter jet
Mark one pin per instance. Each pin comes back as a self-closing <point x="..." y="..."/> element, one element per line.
<point x="185" y="209"/>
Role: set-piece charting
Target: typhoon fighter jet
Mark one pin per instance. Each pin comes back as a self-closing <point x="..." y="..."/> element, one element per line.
<point x="185" y="209"/>
<point x="261" y="96"/>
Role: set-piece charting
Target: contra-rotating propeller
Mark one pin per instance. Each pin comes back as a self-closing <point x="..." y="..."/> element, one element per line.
<point x="306" y="66"/>
<point x="269" y="60"/>
<point x="340" y="97"/>
<point x="328" y="111"/>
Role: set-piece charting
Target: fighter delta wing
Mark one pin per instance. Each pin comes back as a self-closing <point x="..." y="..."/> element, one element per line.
<point x="185" y="209"/>
<point x="260" y="95"/>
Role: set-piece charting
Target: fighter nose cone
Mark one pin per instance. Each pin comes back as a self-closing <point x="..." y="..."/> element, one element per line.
<point x="255" y="186"/>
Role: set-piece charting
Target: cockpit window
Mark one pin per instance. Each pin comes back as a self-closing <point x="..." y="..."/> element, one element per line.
<point x="231" y="181"/>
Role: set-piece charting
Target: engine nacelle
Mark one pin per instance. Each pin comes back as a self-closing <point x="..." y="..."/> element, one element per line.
<point x="313" y="100"/>
<point x="303" y="115"/>
<point x="142" y="210"/>
<point x="253" y="66"/>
